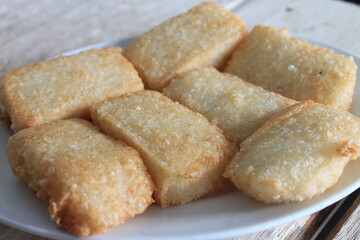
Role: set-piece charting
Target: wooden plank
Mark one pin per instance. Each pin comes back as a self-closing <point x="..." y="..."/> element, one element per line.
<point x="327" y="21"/>
<point x="14" y="234"/>
<point x="36" y="31"/>
<point x="349" y="225"/>
<point x="3" y="228"/>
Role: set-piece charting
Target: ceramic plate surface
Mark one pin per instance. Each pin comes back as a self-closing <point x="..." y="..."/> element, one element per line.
<point x="221" y="214"/>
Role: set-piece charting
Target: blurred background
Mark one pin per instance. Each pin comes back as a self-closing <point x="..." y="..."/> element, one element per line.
<point x="31" y="31"/>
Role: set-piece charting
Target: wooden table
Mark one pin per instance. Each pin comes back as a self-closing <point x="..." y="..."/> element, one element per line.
<point x="34" y="30"/>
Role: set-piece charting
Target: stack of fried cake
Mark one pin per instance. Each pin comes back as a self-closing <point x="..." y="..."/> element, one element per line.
<point x="275" y="124"/>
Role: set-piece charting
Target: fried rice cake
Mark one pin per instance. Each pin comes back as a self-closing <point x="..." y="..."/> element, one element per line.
<point x="66" y="86"/>
<point x="204" y="36"/>
<point x="268" y="57"/>
<point x="235" y="106"/>
<point x="296" y="155"/>
<point x="184" y="153"/>
<point x="90" y="181"/>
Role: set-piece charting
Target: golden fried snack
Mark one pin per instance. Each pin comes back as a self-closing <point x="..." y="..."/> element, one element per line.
<point x="65" y="87"/>
<point x="237" y="107"/>
<point x="184" y="153"/>
<point x="90" y="181"/>
<point x="268" y="57"/>
<point x="296" y="155"/>
<point x="204" y="36"/>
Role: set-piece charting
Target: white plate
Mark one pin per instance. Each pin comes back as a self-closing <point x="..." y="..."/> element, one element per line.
<point x="221" y="214"/>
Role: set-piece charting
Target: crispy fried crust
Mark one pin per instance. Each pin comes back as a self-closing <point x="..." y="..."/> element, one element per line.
<point x="65" y="87"/>
<point x="90" y="181"/>
<point x="296" y="155"/>
<point x="185" y="154"/>
<point x="204" y="36"/>
<point x="237" y="107"/>
<point x="268" y="57"/>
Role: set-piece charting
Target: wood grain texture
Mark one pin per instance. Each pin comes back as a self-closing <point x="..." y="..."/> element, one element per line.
<point x="349" y="225"/>
<point x="13" y="234"/>
<point x="326" y="21"/>
<point x="44" y="28"/>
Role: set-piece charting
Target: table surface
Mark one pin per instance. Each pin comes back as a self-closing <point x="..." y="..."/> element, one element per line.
<point x="34" y="31"/>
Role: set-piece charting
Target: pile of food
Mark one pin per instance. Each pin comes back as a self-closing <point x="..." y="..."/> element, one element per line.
<point x="262" y="109"/>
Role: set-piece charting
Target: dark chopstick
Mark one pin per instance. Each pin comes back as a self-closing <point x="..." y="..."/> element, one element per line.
<point x="332" y="220"/>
